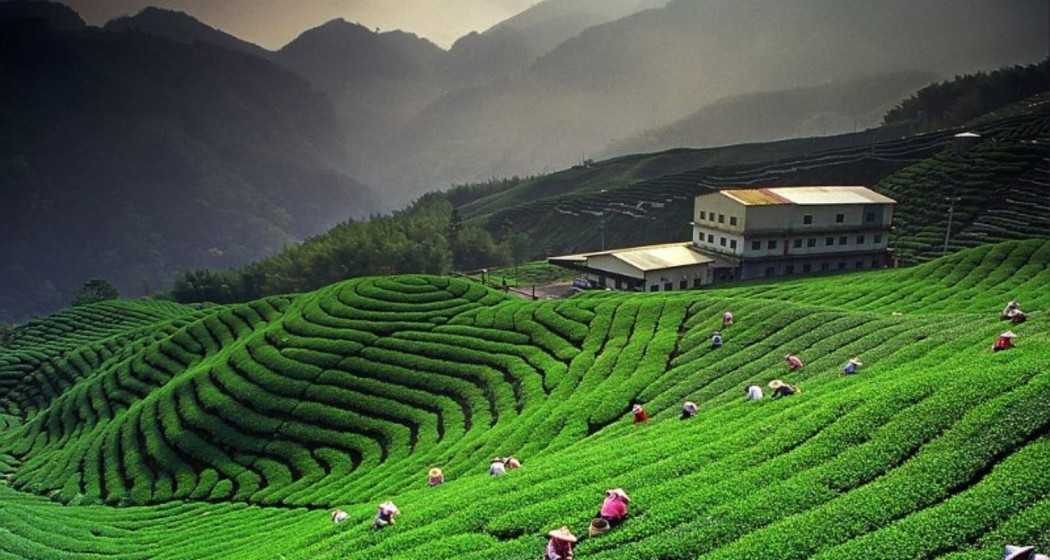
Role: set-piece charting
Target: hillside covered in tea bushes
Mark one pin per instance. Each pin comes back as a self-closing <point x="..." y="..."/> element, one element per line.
<point x="139" y="429"/>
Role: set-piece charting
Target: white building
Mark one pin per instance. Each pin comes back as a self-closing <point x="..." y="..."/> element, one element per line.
<point x="652" y="268"/>
<point x="741" y="234"/>
<point x="793" y="230"/>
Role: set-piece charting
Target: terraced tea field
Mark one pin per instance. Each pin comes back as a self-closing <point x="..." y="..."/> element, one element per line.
<point x="151" y="430"/>
<point x="1002" y="187"/>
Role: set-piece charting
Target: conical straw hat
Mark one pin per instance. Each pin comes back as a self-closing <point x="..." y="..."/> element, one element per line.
<point x="1016" y="552"/>
<point x="562" y="534"/>
<point x="1008" y="334"/>
<point x="776" y="384"/>
<point x="619" y="492"/>
<point x="434" y="473"/>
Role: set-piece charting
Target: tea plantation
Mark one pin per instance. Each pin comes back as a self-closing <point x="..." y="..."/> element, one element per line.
<point x="142" y="429"/>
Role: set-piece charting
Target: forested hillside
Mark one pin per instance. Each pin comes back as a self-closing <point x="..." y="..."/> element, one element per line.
<point x="955" y="102"/>
<point x="233" y="431"/>
<point x="130" y="157"/>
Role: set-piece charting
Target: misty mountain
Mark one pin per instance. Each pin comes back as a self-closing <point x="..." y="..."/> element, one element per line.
<point x="653" y="68"/>
<point x="130" y="157"/>
<point x="377" y="81"/>
<point x="513" y="44"/>
<point x="795" y="113"/>
<point x="183" y="28"/>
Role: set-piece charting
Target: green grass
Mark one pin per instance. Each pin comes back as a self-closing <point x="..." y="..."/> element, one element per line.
<point x="146" y="430"/>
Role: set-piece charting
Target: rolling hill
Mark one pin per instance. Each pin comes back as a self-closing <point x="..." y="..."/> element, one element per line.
<point x="179" y="432"/>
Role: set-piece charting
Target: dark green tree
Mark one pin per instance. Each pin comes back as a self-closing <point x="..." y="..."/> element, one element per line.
<point x="6" y="333"/>
<point x="94" y="291"/>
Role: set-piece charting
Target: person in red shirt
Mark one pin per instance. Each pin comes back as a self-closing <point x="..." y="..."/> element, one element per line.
<point x="639" y="414"/>
<point x="1005" y="342"/>
<point x="614" y="508"/>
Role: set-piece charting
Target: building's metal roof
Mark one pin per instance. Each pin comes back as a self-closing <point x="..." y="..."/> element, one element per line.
<point x="806" y="196"/>
<point x="967" y="135"/>
<point x="645" y="258"/>
<point x="657" y="258"/>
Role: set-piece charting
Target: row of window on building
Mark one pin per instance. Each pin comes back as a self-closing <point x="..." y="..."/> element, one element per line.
<point x="772" y="244"/>
<point x="807" y="268"/>
<point x="683" y="284"/>
<point x="807" y="219"/>
<point x="721" y="218"/>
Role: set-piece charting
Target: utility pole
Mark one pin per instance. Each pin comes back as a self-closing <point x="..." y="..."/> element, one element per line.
<point x="951" y="213"/>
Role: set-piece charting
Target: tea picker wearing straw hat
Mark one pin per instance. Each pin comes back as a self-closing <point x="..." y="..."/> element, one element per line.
<point x="435" y="477"/>
<point x="1004" y="342"/>
<point x="559" y="547"/>
<point x="385" y="516"/>
<point x="614" y="507"/>
<point x="852" y="366"/>
<point x="781" y="389"/>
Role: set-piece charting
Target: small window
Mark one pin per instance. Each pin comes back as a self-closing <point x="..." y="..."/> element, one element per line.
<point x="789" y="269"/>
<point x="811" y="242"/>
<point x="684" y="284"/>
<point x="829" y="241"/>
<point x="654" y="288"/>
<point x="797" y="243"/>
<point x="710" y="238"/>
<point x="697" y="282"/>
<point x="840" y="218"/>
<point x="807" y="268"/>
<point x="703" y="215"/>
<point x="722" y="241"/>
<point x="756" y="245"/>
<point x="825" y="267"/>
<point x="875" y="263"/>
<point x="772" y="244"/>
<point x="878" y="239"/>
<point x="807" y="219"/>
<point x="721" y="218"/>
<point x="844" y="240"/>
<point x="860" y="240"/>
<point x="732" y="243"/>
<point x="858" y="265"/>
<point x="771" y="271"/>
<point x="869" y="217"/>
<point x="668" y="287"/>
<point x="732" y="220"/>
<point x="842" y="265"/>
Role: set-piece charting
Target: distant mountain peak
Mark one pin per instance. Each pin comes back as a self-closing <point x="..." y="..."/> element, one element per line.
<point x="51" y="14"/>
<point x="183" y="28"/>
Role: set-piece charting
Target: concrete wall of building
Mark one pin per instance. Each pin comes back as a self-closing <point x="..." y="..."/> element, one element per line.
<point x="717" y="241"/>
<point x="809" y="265"/>
<point x="715" y="210"/>
<point x="615" y="265"/>
<point x="675" y="279"/>
<point x="793" y="218"/>
<point x="778" y="231"/>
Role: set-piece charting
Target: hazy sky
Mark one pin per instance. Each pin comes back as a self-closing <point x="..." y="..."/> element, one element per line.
<point x="273" y="23"/>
